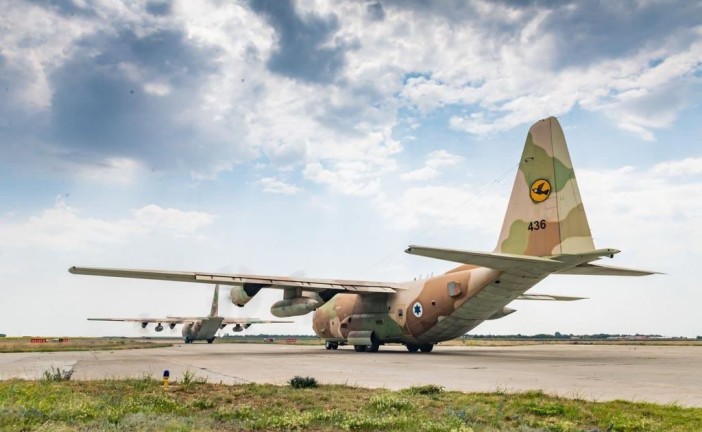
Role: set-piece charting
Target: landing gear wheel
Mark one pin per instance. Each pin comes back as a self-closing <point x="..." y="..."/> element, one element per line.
<point x="210" y="340"/>
<point x="330" y="345"/>
<point x="360" y="348"/>
<point x="375" y="344"/>
<point x="426" y="348"/>
<point x="412" y="347"/>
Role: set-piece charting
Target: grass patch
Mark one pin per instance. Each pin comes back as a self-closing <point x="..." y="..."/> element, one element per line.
<point x="299" y="382"/>
<point x="144" y="404"/>
<point x="425" y="390"/>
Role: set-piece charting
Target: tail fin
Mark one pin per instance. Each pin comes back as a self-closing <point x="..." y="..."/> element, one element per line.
<point x="545" y="215"/>
<point x="215" y="302"/>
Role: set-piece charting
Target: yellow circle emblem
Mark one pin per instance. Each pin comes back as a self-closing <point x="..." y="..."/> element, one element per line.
<point x="540" y="190"/>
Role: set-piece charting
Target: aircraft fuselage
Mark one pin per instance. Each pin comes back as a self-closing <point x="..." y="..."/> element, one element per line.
<point x="430" y="310"/>
<point x="204" y="329"/>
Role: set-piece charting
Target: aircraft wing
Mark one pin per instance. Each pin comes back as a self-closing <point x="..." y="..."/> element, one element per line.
<point x="169" y="320"/>
<point x="231" y="320"/>
<point x="252" y="321"/>
<point x="548" y="297"/>
<point x="308" y="284"/>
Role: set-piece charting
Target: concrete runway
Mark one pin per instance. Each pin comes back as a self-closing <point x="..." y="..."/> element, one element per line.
<point x="661" y="374"/>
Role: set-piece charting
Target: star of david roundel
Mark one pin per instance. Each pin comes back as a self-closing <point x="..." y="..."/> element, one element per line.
<point x="417" y="309"/>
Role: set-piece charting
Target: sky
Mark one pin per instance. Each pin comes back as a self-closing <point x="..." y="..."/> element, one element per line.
<point x="320" y="138"/>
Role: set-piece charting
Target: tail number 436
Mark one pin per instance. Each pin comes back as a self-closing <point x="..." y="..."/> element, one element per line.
<point x="537" y="225"/>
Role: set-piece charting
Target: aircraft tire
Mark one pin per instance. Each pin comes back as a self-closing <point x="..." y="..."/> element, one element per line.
<point x="360" y="348"/>
<point x="426" y="348"/>
<point x="374" y="347"/>
<point x="328" y="345"/>
<point x="210" y="340"/>
<point x="335" y="346"/>
<point x="412" y="347"/>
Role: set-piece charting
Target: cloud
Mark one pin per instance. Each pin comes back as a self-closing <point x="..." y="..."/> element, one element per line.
<point x="350" y="178"/>
<point x="64" y="228"/>
<point x="462" y="206"/>
<point x="653" y="206"/>
<point x="685" y="167"/>
<point x="275" y="186"/>
<point x="136" y="96"/>
<point x="305" y="48"/>
<point x="199" y="88"/>
<point x="120" y="171"/>
<point x="435" y="160"/>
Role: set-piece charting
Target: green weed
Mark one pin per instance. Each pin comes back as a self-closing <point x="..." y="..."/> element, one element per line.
<point x="388" y="403"/>
<point x="299" y="382"/>
<point x="57" y="374"/>
<point x="425" y="390"/>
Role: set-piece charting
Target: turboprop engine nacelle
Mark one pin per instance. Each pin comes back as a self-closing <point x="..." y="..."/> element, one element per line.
<point x="242" y="294"/>
<point x="294" y="307"/>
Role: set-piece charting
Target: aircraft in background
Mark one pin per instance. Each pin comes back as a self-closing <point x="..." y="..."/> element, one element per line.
<point x="545" y="232"/>
<point x="198" y="328"/>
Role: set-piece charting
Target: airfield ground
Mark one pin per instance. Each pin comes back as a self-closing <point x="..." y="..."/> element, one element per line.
<point x="659" y="374"/>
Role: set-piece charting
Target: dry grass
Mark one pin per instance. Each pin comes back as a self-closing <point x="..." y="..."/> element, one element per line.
<point x="25" y="344"/>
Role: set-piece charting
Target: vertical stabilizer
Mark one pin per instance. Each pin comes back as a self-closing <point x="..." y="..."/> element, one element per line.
<point x="214" y="310"/>
<point x="545" y="214"/>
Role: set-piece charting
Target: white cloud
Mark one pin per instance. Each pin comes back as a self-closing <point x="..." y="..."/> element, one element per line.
<point x="157" y="89"/>
<point x="435" y="160"/>
<point x="648" y="208"/>
<point x="500" y="65"/>
<point x="350" y="178"/>
<point x="462" y="206"/>
<point x="689" y="166"/>
<point x="153" y="218"/>
<point x="275" y="186"/>
<point x="65" y="228"/>
<point x="122" y="171"/>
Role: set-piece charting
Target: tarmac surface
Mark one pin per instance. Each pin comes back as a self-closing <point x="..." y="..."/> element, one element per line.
<point x="660" y="374"/>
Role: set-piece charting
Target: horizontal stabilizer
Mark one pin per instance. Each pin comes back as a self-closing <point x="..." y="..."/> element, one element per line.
<point x="493" y="260"/>
<point x="602" y="270"/>
<point x="548" y="297"/>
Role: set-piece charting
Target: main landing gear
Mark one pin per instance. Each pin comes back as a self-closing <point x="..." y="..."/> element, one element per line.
<point x="374" y="347"/>
<point x="425" y="348"/>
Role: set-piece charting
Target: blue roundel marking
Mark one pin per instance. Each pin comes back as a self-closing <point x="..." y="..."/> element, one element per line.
<point x="417" y="309"/>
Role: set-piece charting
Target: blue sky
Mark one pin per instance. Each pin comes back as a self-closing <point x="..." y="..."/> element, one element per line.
<point x="321" y="138"/>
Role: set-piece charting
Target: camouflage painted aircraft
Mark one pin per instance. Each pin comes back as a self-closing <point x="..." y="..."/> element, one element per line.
<point x="197" y="328"/>
<point x="545" y="231"/>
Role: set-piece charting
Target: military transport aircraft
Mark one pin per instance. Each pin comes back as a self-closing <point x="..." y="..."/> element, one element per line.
<point x="545" y="231"/>
<point x="197" y="328"/>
